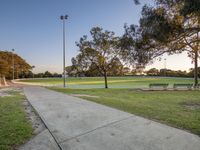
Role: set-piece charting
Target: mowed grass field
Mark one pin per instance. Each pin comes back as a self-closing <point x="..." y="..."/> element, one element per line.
<point x="113" y="82"/>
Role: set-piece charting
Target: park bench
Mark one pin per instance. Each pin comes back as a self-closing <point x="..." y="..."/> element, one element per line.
<point x="198" y="86"/>
<point x="158" y="85"/>
<point x="188" y="86"/>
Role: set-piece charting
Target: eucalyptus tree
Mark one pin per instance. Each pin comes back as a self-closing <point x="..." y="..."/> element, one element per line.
<point x="171" y="27"/>
<point x="6" y="65"/>
<point x="101" y="51"/>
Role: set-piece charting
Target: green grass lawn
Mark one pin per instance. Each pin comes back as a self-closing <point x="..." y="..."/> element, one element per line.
<point x="14" y="126"/>
<point x="113" y="82"/>
<point x="179" y="109"/>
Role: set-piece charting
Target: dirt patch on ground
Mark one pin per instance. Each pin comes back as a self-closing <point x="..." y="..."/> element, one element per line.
<point x="33" y="117"/>
<point x="84" y="95"/>
<point x="5" y="92"/>
<point x="192" y="105"/>
<point x="36" y="122"/>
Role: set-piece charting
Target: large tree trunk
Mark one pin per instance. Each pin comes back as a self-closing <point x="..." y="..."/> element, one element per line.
<point x="17" y="74"/>
<point x="0" y="81"/>
<point x="3" y="81"/>
<point x="105" y="78"/>
<point x="196" y="69"/>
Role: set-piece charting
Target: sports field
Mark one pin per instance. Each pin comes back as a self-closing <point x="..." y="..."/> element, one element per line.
<point x="113" y="82"/>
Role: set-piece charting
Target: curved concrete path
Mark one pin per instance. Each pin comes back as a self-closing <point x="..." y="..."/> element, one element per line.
<point x="78" y="124"/>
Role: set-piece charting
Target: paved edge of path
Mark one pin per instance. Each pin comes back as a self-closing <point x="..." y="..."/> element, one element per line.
<point x="42" y="141"/>
<point x="103" y="134"/>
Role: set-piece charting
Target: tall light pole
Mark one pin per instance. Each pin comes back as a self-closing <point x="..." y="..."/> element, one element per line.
<point x="165" y="66"/>
<point x="63" y="18"/>
<point x="13" y="64"/>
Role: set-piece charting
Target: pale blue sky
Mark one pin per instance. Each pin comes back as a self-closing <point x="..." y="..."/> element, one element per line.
<point x="33" y="28"/>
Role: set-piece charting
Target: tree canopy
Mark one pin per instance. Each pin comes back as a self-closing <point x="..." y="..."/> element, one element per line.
<point x="6" y="65"/>
<point x="172" y="26"/>
<point x="101" y="52"/>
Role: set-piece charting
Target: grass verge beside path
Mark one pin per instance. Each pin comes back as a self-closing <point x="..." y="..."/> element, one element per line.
<point x="179" y="109"/>
<point x="14" y="126"/>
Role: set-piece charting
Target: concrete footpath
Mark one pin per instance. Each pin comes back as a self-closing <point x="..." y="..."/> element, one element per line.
<point x="78" y="124"/>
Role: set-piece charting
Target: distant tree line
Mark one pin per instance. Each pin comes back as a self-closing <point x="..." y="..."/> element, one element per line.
<point x="171" y="73"/>
<point x="92" y="71"/>
<point x="46" y="74"/>
<point x="120" y="70"/>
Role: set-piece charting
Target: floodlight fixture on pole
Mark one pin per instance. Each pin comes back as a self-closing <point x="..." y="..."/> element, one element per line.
<point x="63" y="18"/>
<point x="13" y="64"/>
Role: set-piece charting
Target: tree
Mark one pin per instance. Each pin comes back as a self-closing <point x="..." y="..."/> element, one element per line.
<point x="191" y="72"/>
<point x="79" y="66"/>
<point x="171" y="27"/>
<point x="47" y="74"/>
<point x="92" y="71"/>
<point x="152" y="72"/>
<point x="79" y="69"/>
<point x="6" y="65"/>
<point x="102" y="50"/>
<point x="69" y="71"/>
<point x="191" y="7"/>
<point x="126" y="70"/>
<point x="133" y="47"/>
<point x="116" y="68"/>
<point x="3" y="72"/>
